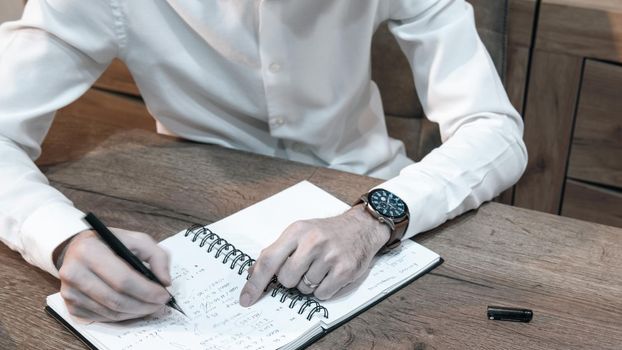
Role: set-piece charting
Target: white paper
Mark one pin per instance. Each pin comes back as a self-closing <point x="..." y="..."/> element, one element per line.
<point x="208" y="290"/>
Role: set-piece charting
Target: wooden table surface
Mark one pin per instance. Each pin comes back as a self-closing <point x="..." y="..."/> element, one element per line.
<point x="567" y="271"/>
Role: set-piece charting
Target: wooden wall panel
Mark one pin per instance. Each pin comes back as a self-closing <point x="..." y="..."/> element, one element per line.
<point x="552" y="93"/>
<point x="588" y="28"/>
<point x="516" y="75"/>
<point x="571" y="36"/>
<point x="521" y="17"/>
<point x="596" y="154"/>
<point x="520" y="22"/>
<point x="592" y="203"/>
<point x="520" y="31"/>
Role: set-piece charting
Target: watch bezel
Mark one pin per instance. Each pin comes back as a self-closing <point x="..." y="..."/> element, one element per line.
<point x="396" y="219"/>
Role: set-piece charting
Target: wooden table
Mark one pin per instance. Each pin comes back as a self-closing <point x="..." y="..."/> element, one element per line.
<point x="566" y="270"/>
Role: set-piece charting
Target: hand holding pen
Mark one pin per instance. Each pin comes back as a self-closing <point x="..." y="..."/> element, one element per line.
<point x="97" y="285"/>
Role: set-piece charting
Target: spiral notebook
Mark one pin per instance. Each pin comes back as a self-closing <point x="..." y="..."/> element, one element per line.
<point x="209" y="267"/>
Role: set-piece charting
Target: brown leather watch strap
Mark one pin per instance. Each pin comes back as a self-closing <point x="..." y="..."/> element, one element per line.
<point x="396" y="235"/>
<point x="398" y="229"/>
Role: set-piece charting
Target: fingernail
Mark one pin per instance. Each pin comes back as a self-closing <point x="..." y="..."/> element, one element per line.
<point x="245" y="299"/>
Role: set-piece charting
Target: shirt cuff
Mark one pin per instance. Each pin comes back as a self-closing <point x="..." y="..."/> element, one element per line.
<point x="46" y="228"/>
<point x="423" y="194"/>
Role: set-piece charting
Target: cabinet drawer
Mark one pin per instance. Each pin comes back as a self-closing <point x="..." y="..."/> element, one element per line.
<point x="592" y="203"/>
<point x="596" y="153"/>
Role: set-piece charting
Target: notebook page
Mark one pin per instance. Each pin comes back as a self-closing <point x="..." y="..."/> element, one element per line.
<point x="207" y="291"/>
<point x="387" y="272"/>
<point x="257" y="226"/>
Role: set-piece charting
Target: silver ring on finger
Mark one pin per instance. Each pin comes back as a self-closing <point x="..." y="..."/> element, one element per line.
<point x="308" y="283"/>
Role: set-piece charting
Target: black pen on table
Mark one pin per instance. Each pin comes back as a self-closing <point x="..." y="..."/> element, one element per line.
<point x="124" y="253"/>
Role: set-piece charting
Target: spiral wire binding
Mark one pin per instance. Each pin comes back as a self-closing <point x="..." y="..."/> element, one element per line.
<point x="228" y="252"/>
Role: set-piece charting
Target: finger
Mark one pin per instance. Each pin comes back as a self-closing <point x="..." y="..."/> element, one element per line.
<point x="147" y="249"/>
<point x="90" y="316"/>
<point x="269" y="262"/>
<point x="250" y="270"/>
<point x="83" y="314"/>
<point x="337" y="278"/>
<point x="117" y="274"/>
<point x="316" y="274"/>
<point x="290" y="274"/>
<point x="82" y="302"/>
<point x="89" y="285"/>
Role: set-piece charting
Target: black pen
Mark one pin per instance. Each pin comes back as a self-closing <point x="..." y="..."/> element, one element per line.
<point x="501" y="313"/>
<point x="124" y="253"/>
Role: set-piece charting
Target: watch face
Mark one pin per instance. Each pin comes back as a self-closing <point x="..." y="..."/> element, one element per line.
<point x="387" y="204"/>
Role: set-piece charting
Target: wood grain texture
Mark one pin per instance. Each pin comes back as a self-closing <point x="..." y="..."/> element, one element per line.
<point x="585" y="28"/>
<point x="570" y="32"/>
<point x="84" y="124"/>
<point x="596" y="154"/>
<point x="506" y="197"/>
<point x="118" y="78"/>
<point x="549" y="116"/>
<point x="520" y="22"/>
<point x="521" y="18"/>
<point x="151" y="163"/>
<point x="516" y="76"/>
<point x="564" y="269"/>
<point x="592" y="203"/>
<point x="23" y="323"/>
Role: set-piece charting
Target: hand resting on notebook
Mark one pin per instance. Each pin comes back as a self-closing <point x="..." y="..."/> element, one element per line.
<point x="319" y="256"/>
<point x="98" y="286"/>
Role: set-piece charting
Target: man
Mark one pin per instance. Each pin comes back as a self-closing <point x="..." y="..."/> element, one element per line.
<point x="287" y="78"/>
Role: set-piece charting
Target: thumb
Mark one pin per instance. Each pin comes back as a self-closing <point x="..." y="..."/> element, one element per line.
<point x="147" y="250"/>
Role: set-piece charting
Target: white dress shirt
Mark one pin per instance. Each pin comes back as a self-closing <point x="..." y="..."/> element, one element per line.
<point x="287" y="78"/>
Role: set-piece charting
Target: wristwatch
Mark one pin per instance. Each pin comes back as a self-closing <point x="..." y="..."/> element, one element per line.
<point x="389" y="209"/>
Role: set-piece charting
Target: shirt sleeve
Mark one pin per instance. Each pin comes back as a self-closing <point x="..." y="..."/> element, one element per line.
<point x="482" y="152"/>
<point x="47" y="60"/>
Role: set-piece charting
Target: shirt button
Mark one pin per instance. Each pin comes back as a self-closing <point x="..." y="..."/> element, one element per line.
<point x="275" y="67"/>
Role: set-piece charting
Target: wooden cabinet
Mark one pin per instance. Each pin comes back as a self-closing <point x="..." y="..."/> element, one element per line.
<point x="596" y="149"/>
<point x="594" y="176"/>
<point x="592" y="203"/>
<point x="573" y="114"/>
